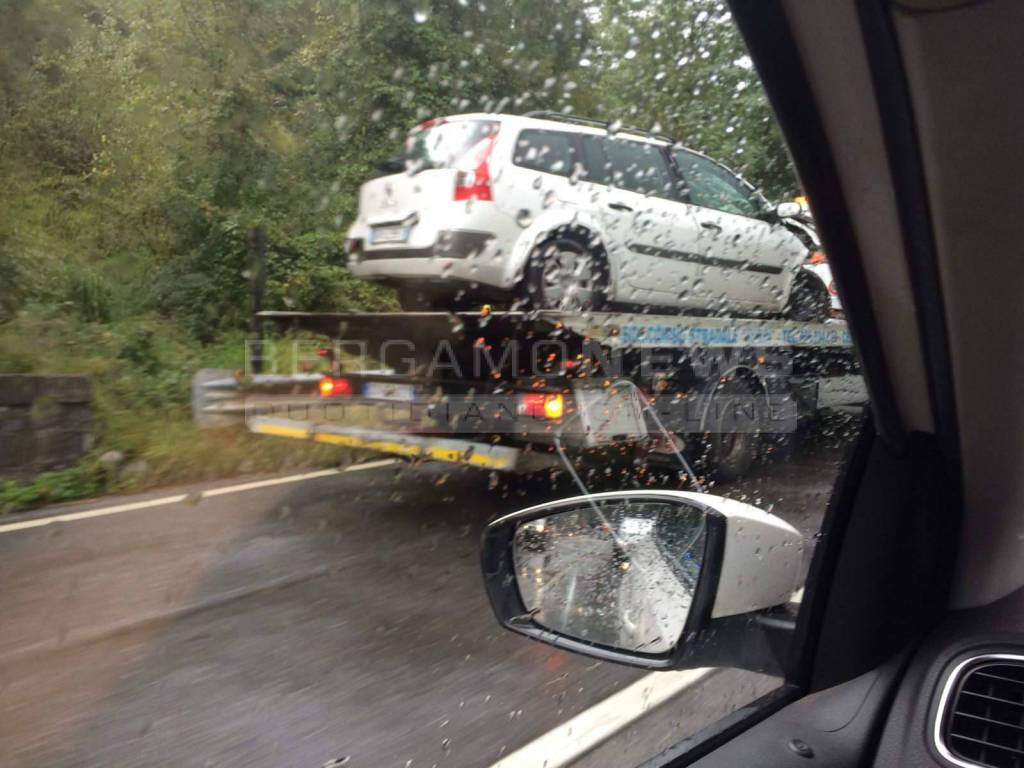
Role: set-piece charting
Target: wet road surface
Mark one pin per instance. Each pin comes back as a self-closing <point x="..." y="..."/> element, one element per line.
<point x="337" y="617"/>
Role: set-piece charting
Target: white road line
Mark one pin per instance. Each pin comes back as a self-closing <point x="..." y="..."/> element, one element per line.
<point x="179" y="497"/>
<point x="569" y="741"/>
<point x="371" y="465"/>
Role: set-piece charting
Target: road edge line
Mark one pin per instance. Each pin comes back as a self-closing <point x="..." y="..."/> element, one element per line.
<point x="133" y="506"/>
<point x="566" y="743"/>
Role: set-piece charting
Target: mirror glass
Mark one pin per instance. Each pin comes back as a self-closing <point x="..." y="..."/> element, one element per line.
<point x="620" y="573"/>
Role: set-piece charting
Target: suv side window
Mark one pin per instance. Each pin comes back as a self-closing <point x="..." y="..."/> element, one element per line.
<point x="631" y="165"/>
<point x="545" y="151"/>
<point x="711" y="186"/>
<point x="628" y="165"/>
<point x="594" y="163"/>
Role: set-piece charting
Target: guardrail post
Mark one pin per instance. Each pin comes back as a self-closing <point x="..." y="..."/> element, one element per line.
<point x="257" y="286"/>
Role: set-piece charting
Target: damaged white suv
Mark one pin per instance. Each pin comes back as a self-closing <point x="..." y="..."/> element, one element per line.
<point x="557" y="212"/>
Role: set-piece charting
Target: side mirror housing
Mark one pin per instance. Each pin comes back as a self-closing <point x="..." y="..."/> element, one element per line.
<point x="655" y="579"/>
<point x="788" y="210"/>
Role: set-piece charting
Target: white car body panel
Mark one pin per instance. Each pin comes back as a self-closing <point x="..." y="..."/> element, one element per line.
<point x="657" y="249"/>
<point x="823" y="272"/>
<point x="762" y="557"/>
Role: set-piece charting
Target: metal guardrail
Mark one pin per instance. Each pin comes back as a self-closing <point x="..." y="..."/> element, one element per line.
<point x="219" y="398"/>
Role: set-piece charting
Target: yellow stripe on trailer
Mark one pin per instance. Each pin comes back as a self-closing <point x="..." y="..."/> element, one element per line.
<point x="348" y="441"/>
<point x="448" y="450"/>
<point x="281" y="430"/>
<point x="488" y="461"/>
<point x="355" y="441"/>
<point x="445" y="454"/>
<point x="471" y="457"/>
<point x="402" y="449"/>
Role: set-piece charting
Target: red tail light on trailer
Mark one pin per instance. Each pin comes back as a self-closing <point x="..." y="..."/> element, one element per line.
<point x="332" y="386"/>
<point x="545" y="405"/>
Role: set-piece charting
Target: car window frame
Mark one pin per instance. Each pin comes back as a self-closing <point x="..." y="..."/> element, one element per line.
<point x="680" y="192"/>
<point x="741" y="183"/>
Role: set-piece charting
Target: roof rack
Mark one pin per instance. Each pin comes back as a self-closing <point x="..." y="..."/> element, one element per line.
<point x="593" y="122"/>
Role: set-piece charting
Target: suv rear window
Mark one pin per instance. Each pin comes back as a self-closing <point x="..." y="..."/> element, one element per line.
<point x="443" y="145"/>
<point x="545" y="151"/>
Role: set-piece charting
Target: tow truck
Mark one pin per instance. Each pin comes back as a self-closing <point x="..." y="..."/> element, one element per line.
<point x="521" y="392"/>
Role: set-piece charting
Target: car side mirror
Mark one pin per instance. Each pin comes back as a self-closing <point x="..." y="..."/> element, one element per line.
<point x="788" y="210"/>
<point x="655" y="579"/>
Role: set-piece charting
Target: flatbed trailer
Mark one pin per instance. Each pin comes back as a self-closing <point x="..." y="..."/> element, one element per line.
<point x="518" y="391"/>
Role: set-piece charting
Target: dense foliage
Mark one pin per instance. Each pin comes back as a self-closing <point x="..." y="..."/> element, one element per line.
<point x="140" y="142"/>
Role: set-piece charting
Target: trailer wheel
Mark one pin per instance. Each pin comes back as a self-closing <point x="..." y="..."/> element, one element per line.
<point x="565" y="273"/>
<point x="729" y="455"/>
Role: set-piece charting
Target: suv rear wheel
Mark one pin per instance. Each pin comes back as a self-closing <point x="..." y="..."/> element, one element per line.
<point x="563" y="273"/>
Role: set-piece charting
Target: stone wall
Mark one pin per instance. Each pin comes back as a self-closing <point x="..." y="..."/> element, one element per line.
<point x="45" y="422"/>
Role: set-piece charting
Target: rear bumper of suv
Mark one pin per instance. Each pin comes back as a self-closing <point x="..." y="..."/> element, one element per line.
<point x="456" y="255"/>
<point x="451" y="244"/>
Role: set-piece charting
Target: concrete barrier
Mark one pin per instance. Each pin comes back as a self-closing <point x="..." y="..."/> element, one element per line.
<point x="45" y="422"/>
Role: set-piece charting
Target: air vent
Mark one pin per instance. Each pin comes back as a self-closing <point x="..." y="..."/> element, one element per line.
<point x="981" y="713"/>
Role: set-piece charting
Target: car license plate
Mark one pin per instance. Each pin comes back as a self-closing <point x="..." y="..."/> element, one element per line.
<point x="383" y="390"/>
<point x="389" y="233"/>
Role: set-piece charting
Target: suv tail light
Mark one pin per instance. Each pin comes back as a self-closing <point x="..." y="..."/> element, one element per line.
<point x="473" y="174"/>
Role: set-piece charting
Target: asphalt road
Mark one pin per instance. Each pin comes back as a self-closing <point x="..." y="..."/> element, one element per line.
<point x="335" y="618"/>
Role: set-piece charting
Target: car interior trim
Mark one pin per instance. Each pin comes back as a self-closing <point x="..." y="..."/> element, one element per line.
<point x="951" y="681"/>
<point x="772" y="47"/>
<point x="902" y="144"/>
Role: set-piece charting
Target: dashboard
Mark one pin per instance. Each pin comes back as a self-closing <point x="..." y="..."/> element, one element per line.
<point x="891" y="718"/>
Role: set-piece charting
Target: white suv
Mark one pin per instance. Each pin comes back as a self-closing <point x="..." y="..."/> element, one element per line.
<point x="556" y="212"/>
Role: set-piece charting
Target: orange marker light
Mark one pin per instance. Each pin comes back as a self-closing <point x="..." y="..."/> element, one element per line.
<point x="331" y="387"/>
<point x="554" y="406"/>
<point x="538" y="404"/>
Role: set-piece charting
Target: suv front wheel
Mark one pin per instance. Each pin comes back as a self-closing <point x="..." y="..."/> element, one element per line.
<point x="809" y="301"/>
<point x="563" y="273"/>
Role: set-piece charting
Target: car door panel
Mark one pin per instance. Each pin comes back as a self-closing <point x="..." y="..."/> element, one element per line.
<point x="747" y="260"/>
<point x="654" y="234"/>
